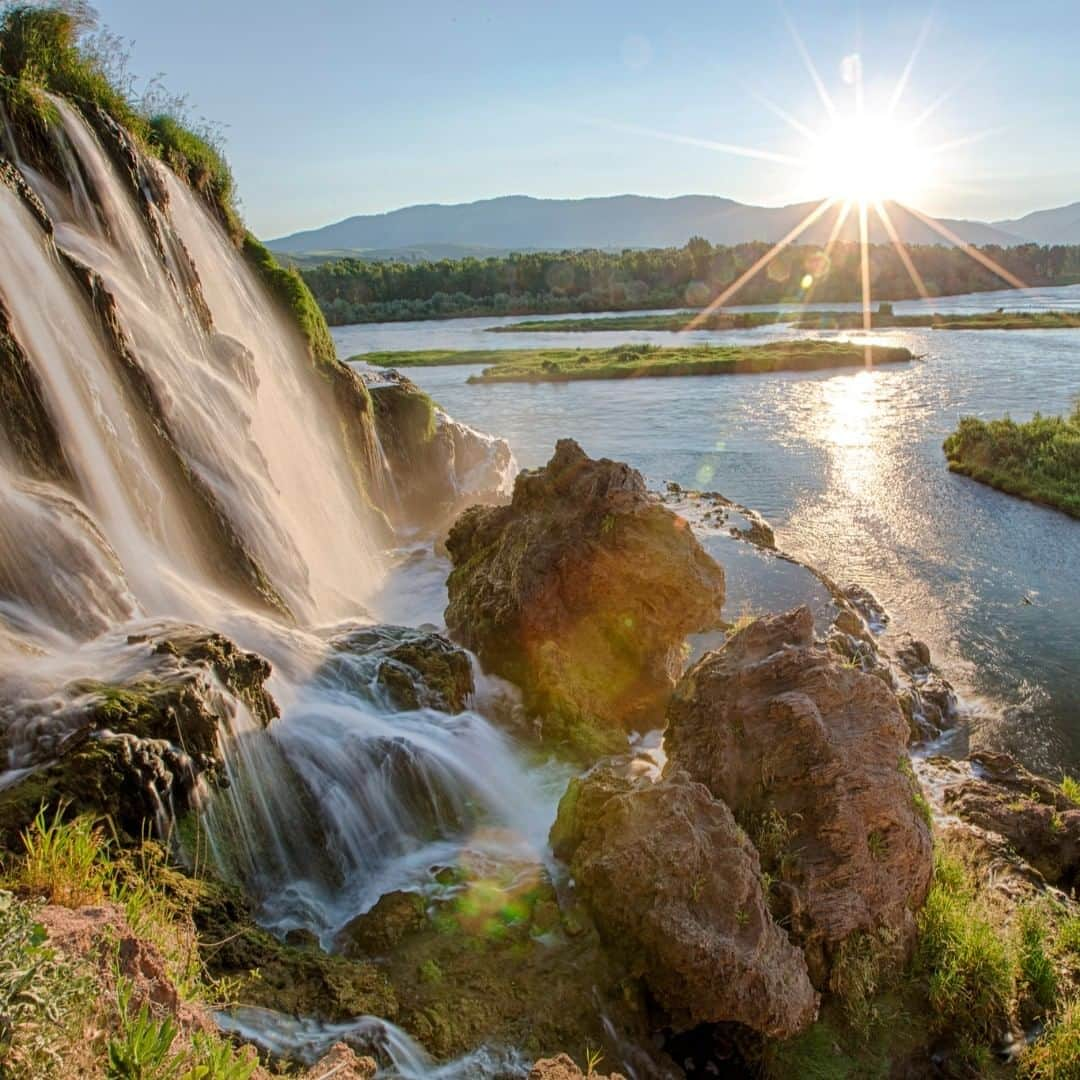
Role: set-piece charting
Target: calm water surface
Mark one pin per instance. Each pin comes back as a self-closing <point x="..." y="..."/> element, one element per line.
<point x="849" y="469"/>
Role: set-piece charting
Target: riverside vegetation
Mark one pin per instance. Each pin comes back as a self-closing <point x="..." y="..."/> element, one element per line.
<point x="1037" y="460"/>
<point x="356" y="291"/>
<point x="645" y="361"/>
<point x="882" y="318"/>
<point x="767" y="901"/>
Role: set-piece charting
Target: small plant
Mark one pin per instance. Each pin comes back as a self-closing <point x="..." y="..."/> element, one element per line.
<point x="1070" y="788"/>
<point x="592" y="1060"/>
<point x="142" y="1049"/>
<point x="63" y="860"/>
<point x="923" y="808"/>
<point x="742" y="917"/>
<point x="863" y="964"/>
<point x="878" y="845"/>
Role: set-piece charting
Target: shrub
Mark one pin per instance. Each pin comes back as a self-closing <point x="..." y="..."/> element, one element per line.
<point x="1070" y="788"/>
<point x="1036" y="969"/>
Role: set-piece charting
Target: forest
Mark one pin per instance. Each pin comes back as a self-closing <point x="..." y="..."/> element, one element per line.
<point x="546" y="282"/>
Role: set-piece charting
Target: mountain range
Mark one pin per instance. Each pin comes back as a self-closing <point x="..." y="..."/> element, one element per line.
<point x="523" y="223"/>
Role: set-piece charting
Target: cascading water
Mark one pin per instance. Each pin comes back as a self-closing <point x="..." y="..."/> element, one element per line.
<point x="205" y="455"/>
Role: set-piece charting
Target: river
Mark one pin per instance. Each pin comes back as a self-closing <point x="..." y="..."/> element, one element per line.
<point x="848" y="468"/>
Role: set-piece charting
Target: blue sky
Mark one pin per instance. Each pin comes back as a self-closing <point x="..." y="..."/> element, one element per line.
<point x="333" y="108"/>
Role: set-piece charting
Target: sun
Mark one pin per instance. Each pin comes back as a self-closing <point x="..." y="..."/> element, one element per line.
<point x="870" y="158"/>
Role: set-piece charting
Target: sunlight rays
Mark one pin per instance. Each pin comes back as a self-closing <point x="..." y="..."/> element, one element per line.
<point x="761" y="263"/>
<point x="902" y="251"/>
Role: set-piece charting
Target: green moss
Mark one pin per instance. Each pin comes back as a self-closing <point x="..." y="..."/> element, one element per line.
<point x="1038" y="460"/>
<point x="289" y="289"/>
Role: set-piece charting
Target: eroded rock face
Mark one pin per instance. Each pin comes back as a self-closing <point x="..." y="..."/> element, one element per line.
<point x="581" y="591"/>
<point x="675" y="887"/>
<point x="1030" y="812"/>
<point x="810" y="755"/>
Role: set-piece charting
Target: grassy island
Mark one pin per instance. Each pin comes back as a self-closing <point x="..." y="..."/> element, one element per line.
<point x="882" y="319"/>
<point x="1039" y="460"/>
<point x="644" y="361"/>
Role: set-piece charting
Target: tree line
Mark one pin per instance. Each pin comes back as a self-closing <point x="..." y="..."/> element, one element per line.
<point x="542" y="282"/>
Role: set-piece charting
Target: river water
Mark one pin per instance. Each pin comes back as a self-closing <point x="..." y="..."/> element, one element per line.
<point x="848" y="468"/>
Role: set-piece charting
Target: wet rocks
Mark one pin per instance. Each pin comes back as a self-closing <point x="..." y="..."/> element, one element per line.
<point x="675" y="887"/>
<point x="581" y="591"/>
<point x="415" y="668"/>
<point x="810" y="754"/>
<point x="438" y="466"/>
<point x="1040" y="822"/>
<point x="379" y="930"/>
<point x="134" y="748"/>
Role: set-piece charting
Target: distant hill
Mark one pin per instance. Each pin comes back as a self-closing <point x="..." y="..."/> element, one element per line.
<point x="522" y="223"/>
<point x="1058" y="226"/>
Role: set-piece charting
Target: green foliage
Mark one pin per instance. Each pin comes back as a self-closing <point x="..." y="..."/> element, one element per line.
<point x="1036" y="969"/>
<point x="963" y="955"/>
<point x="624" y="362"/>
<point x="354" y="290"/>
<point x="1070" y="788"/>
<point x="40" y="49"/>
<point x="141" y="1049"/>
<point x="44" y="1001"/>
<point x="194" y="157"/>
<point x="1039" y="460"/>
<point x="864" y="965"/>
<point x="1056" y="1054"/>
<point x="62" y="860"/>
<point x="291" y="291"/>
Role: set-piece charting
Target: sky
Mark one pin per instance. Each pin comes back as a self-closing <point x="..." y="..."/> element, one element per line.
<point x="334" y="108"/>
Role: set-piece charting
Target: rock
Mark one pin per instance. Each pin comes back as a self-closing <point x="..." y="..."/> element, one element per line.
<point x="379" y="930"/>
<point x="342" y="1063"/>
<point x="127" y="748"/>
<point x="438" y="466"/>
<point x="269" y="973"/>
<point x="581" y="591"/>
<point x="1030" y="812"/>
<point x="415" y="668"/>
<point x="811" y="756"/>
<point x="563" y="1068"/>
<point x="675" y="887"/>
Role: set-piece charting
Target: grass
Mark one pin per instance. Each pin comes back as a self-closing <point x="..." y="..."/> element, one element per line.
<point x="1056" y="1055"/>
<point x="818" y="320"/>
<point x="640" y="361"/>
<point x="1070" y="788"/>
<point x="963" y="955"/>
<point x="1038" y="460"/>
<point x="291" y="291"/>
<point x="63" y="861"/>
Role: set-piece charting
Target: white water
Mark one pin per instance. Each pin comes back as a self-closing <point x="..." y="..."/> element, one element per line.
<point x="344" y="797"/>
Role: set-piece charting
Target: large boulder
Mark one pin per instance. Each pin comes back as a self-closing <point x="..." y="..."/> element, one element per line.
<point x="582" y="591"/>
<point x="810" y="755"/>
<point x="1034" y="815"/>
<point x="675" y="888"/>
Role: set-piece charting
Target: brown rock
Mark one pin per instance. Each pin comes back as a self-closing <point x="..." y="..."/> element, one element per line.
<point x="675" y="888"/>
<point x="563" y="1068"/>
<point x="342" y="1063"/>
<point x="810" y="754"/>
<point x="1032" y="813"/>
<point x="379" y="930"/>
<point x="582" y="591"/>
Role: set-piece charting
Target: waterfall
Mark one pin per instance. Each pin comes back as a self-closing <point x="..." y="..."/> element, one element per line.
<point x="206" y="481"/>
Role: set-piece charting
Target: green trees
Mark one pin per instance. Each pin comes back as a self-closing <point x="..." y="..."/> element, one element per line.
<point x="551" y="282"/>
